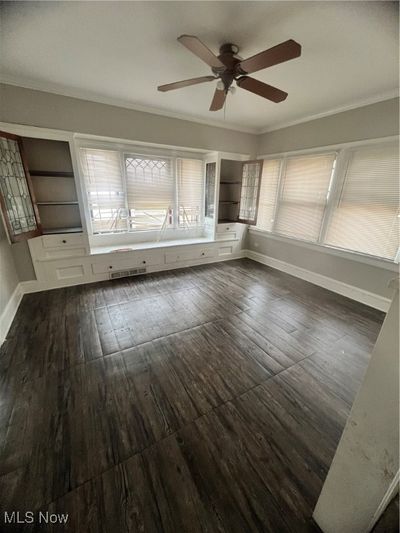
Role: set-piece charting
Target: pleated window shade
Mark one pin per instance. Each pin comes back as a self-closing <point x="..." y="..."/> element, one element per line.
<point x="105" y="190"/>
<point x="303" y="198"/>
<point x="150" y="188"/>
<point x="190" y="192"/>
<point x="268" y="193"/>
<point x="366" y="217"/>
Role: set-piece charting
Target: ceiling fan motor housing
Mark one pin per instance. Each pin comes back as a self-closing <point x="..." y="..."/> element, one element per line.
<point x="227" y="54"/>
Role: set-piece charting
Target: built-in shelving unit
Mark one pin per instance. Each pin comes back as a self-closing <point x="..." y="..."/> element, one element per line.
<point x="50" y="167"/>
<point x="229" y="190"/>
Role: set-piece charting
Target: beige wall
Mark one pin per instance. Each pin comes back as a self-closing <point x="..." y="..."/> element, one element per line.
<point x="362" y="473"/>
<point x="36" y="108"/>
<point x="366" y="277"/>
<point x="25" y="106"/>
<point x="367" y="122"/>
<point x="8" y="275"/>
<point x="47" y="110"/>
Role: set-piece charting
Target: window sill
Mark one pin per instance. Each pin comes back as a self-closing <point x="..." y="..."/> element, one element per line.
<point x="119" y="248"/>
<point x="386" y="264"/>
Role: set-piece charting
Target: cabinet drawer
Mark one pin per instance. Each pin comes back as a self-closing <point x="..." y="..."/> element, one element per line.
<point x="114" y="264"/>
<point x="227" y="228"/>
<point x="64" y="240"/>
<point x="189" y="255"/>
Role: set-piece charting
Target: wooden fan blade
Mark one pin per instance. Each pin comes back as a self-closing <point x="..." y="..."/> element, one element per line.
<point x="262" y="89"/>
<point x="184" y="83"/>
<point x="218" y="100"/>
<point x="273" y="56"/>
<point x="200" y="50"/>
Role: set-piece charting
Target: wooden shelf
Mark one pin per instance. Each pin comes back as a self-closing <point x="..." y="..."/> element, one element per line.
<point x="230" y="182"/>
<point x="49" y="231"/>
<point x="75" y="202"/>
<point x="48" y="173"/>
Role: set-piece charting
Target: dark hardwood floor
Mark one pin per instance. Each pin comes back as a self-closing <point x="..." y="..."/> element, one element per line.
<point x="207" y="399"/>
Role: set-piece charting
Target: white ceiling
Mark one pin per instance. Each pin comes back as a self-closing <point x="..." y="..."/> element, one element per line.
<point x="119" y="52"/>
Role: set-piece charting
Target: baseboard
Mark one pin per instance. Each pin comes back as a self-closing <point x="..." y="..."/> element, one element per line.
<point x="360" y="295"/>
<point x="368" y="298"/>
<point x="388" y="497"/>
<point x="9" y="312"/>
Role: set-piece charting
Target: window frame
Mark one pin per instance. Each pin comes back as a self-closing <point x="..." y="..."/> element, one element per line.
<point x="146" y="151"/>
<point x="343" y="154"/>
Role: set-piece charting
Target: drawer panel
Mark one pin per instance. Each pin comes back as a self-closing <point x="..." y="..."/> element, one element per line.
<point x="64" y="240"/>
<point x="189" y="255"/>
<point x="70" y="272"/>
<point x="224" y="228"/>
<point x="229" y="228"/>
<point x="226" y="236"/>
<point x="64" y="252"/>
<point x="113" y="264"/>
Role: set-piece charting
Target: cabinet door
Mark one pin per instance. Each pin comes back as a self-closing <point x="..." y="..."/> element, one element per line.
<point x="17" y="200"/>
<point x="250" y="191"/>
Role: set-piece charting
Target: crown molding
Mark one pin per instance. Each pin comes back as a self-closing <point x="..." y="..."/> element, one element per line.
<point x="388" y="95"/>
<point x="92" y="97"/>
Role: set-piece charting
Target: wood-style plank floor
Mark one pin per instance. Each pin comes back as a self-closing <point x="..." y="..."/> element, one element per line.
<point x="206" y="399"/>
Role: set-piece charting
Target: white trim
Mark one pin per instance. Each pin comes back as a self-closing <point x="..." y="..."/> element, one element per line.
<point x="360" y="295"/>
<point x="387" y="498"/>
<point x="116" y="102"/>
<point x="8" y="314"/>
<point x="381" y="97"/>
<point x="89" y="96"/>
<point x="331" y="147"/>
<point x="322" y="248"/>
<point x="24" y="130"/>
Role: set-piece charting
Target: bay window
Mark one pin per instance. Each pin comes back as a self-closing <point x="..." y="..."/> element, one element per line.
<point x="129" y="192"/>
<point x="347" y="199"/>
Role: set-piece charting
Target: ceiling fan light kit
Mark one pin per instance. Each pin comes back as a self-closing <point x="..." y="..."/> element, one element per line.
<point x="226" y="68"/>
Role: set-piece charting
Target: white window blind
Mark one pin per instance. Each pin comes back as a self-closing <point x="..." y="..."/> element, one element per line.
<point x="105" y="190"/>
<point x="268" y="192"/>
<point x="190" y="192"/>
<point x="150" y="188"/>
<point x="366" y="217"/>
<point x="304" y="191"/>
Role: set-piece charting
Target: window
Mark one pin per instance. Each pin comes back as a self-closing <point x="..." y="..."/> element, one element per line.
<point x="190" y="192"/>
<point x="366" y="214"/>
<point x="132" y="192"/>
<point x="150" y="191"/>
<point x="268" y="192"/>
<point x="304" y="191"/>
<point x="105" y="190"/>
<point x="348" y="200"/>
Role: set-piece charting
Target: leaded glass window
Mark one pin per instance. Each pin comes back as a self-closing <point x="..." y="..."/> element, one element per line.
<point x="17" y="205"/>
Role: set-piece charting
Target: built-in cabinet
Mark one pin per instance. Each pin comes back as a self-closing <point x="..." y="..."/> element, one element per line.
<point x="62" y="253"/>
<point x="230" y="185"/>
<point x="232" y="190"/>
<point x="67" y="259"/>
<point x="50" y="167"/>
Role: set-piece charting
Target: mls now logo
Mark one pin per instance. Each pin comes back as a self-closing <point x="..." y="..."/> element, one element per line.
<point x="29" y="517"/>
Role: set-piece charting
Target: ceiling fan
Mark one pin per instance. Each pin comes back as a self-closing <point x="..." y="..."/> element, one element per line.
<point x="226" y="68"/>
